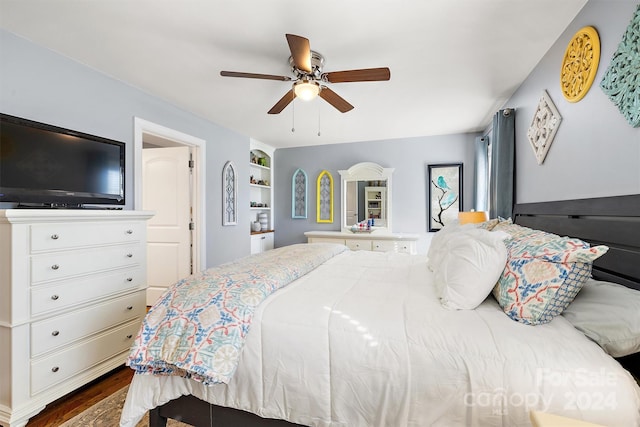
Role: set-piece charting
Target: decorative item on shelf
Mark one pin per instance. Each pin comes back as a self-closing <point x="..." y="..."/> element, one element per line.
<point x="263" y="219"/>
<point x="620" y="81"/>
<point x="580" y="64"/>
<point x="252" y="180"/>
<point x="262" y="161"/>
<point x="362" y="227"/>
<point x="544" y="126"/>
<point x="256" y="226"/>
<point x="472" y="217"/>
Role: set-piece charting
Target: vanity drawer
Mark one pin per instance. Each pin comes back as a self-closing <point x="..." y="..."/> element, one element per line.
<point x="399" y="246"/>
<point x="50" y="237"/>
<point x="59" y="265"/>
<point x="358" y="245"/>
<point x="70" y="292"/>
<point x="60" y="366"/>
<point x="52" y="333"/>
<point x="325" y="240"/>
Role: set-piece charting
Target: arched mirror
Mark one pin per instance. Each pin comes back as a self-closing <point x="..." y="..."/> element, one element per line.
<point x="366" y="194"/>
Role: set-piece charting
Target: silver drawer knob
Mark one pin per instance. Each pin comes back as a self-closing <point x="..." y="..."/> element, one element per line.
<point x="129" y="279"/>
<point x="55" y="236"/>
<point x="129" y="231"/>
<point x="54" y="297"/>
<point x="55" y="267"/>
<point x="129" y="255"/>
<point x="129" y="336"/>
<point x="55" y="369"/>
<point x="55" y="333"/>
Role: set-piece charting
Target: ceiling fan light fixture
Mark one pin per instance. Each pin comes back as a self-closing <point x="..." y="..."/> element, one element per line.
<point x="306" y="90"/>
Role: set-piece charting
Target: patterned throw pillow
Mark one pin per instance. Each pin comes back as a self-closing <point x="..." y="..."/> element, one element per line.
<point x="543" y="274"/>
<point x="492" y="223"/>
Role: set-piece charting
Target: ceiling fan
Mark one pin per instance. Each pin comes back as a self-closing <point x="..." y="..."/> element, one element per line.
<point x="306" y="66"/>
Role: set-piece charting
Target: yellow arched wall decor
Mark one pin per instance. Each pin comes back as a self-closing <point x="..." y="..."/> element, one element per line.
<point x="324" y="203"/>
<point x="580" y="64"/>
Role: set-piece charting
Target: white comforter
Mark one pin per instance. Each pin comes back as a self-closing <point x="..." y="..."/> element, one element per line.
<point x="363" y="341"/>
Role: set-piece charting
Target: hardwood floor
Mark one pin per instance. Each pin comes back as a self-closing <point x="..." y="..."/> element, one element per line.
<point x="75" y="402"/>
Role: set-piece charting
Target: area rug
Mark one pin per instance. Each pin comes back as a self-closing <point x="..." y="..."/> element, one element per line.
<point x="106" y="413"/>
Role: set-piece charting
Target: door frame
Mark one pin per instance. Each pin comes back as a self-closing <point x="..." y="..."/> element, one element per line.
<point x="143" y="127"/>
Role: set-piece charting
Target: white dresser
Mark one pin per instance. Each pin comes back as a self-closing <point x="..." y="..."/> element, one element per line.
<point x="375" y="241"/>
<point x="72" y="298"/>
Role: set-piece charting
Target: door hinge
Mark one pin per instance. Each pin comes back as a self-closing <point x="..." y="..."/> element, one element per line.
<point x="192" y="226"/>
<point x="191" y="164"/>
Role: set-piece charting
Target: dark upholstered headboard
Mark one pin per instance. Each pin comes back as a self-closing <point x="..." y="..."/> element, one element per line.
<point x="612" y="221"/>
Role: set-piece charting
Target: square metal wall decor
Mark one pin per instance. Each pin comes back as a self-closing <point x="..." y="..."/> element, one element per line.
<point x="621" y="81"/>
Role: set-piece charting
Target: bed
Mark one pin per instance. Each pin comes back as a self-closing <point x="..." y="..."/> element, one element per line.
<point x="396" y="357"/>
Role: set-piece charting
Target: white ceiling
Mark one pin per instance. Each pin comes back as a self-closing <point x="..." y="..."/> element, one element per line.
<point x="453" y="62"/>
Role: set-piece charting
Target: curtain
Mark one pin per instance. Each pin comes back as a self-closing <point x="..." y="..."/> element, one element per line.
<point x="502" y="164"/>
<point x="481" y="179"/>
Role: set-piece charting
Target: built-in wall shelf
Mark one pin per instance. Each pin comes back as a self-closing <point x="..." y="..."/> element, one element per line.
<point x="261" y="193"/>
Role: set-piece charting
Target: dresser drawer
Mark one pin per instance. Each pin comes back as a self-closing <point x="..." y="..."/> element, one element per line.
<point x="399" y="246"/>
<point x="358" y="244"/>
<point x="60" y="366"/>
<point x="53" y="333"/>
<point x="50" y="237"/>
<point x="325" y="240"/>
<point x="60" y="265"/>
<point x="75" y="291"/>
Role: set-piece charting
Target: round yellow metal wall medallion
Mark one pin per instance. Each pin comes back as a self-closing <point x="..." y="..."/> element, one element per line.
<point x="580" y="64"/>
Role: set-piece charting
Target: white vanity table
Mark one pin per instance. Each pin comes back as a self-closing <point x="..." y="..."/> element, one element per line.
<point x="366" y="193"/>
<point x="375" y="241"/>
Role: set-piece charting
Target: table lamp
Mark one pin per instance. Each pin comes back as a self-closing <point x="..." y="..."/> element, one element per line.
<point x="472" y="217"/>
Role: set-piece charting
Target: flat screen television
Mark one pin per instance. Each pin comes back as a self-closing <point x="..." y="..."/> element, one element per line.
<point x="47" y="166"/>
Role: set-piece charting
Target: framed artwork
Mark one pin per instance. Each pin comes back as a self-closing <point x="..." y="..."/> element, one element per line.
<point x="229" y="194"/>
<point x="325" y="197"/>
<point x="299" y="194"/>
<point x="445" y="194"/>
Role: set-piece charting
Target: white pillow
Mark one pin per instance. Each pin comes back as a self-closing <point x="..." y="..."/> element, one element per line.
<point x="470" y="267"/>
<point x="437" y="247"/>
<point x="609" y="314"/>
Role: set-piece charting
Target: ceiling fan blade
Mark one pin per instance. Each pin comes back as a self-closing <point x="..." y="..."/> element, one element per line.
<point x="334" y="99"/>
<point x="284" y="101"/>
<point x="300" y="52"/>
<point x="364" y="75"/>
<point x="253" y="75"/>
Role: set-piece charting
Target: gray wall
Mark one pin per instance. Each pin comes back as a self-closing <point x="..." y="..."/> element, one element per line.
<point x="595" y="152"/>
<point x="41" y="85"/>
<point x="409" y="157"/>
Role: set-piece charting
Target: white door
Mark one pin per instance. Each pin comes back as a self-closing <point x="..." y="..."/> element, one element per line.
<point x="352" y="203"/>
<point x="166" y="178"/>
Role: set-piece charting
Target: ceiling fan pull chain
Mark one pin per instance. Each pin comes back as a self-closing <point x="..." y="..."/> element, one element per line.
<point x="318" y="119"/>
<point x="293" y="116"/>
